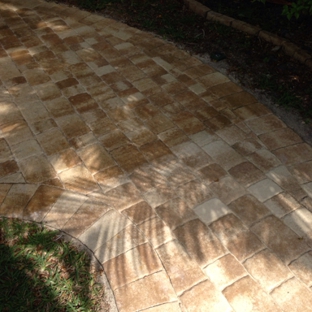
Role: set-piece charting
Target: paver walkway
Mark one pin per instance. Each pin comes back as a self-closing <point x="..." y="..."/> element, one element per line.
<point x="193" y="195"/>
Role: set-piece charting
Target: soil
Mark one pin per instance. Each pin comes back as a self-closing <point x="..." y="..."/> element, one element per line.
<point x="268" y="16"/>
<point x="256" y="64"/>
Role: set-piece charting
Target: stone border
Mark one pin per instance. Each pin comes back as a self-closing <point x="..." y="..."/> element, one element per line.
<point x="288" y="47"/>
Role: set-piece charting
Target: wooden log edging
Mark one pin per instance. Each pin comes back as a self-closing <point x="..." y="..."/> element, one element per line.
<point x="288" y="47"/>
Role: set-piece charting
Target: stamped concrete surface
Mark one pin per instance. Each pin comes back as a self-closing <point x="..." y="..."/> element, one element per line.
<point x="192" y="195"/>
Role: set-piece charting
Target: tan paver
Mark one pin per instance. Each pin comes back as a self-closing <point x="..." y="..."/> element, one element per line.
<point x="183" y="271"/>
<point x="225" y="271"/>
<point x="79" y="179"/>
<point x="191" y="194"/>
<point x="264" y="190"/>
<point x="227" y="189"/>
<point x="223" y="154"/>
<point x="41" y="202"/>
<point x="37" y="169"/>
<point x="195" y="299"/>
<point x="267" y="269"/>
<point x="211" y="210"/>
<point x="282" y="204"/>
<point x="17" y="199"/>
<point x="302" y="268"/>
<point x="132" y="265"/>
<point x="293" y="296"/>
<point x="247" y="295"/>
<point x="163" y="292"/>
<point x="125" y="240"/>
<point x="300" y="221"/>
<point x="63" y="209"/>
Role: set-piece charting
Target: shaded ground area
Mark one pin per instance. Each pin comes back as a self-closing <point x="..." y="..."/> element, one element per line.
<point x="257" y="64"/>
<point x="269" y="17"/>
<point x="40" y="271"/>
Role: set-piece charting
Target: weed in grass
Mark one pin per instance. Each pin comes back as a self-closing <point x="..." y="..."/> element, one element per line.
<point x="41" y="272"/>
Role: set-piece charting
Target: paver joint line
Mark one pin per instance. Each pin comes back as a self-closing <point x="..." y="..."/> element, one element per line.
<point x="181" y="184"/>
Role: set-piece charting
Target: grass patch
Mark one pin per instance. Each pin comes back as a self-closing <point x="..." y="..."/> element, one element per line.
<point x="39" y="271"/>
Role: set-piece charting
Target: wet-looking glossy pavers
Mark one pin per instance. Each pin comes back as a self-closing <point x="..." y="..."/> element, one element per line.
<point x="192" y="195"/>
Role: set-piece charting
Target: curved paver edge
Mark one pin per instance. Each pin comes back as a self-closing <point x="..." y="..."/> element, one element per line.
<point x="288" y="47"/>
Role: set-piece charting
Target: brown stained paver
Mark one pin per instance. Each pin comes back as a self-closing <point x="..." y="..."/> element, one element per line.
<point x="132" y="265"/>
<point x="284" y="178"/>
<point x="123" y="196"/>
<point x="63" y="209"/>
<point x="191" y="194"/>
<point x="272" y="231"/>
<point x="302" y="172"/>
<point x="264" y="159"/>
<point x="282" y="204"/>
<point x="41" y="202"/>
<point x="227" y="189"/>
<point x="8" y="167"/>
<point x="233" y="234"/>
<point x="199" y="242"/>
<point x="294" y="154"/>
<point x="147" y="178"/>
<point x="155" y="150"/>
<point x="156" y="230"/>
<point x="194" y="192"/>
<point x="302" y="268"/>
<point x="96" y="158"/>
<point x="265" y="124"/>
<point x="267" y="269"/>
<point x="125" y="240"/>
<point x="249" y="209"/>
<point x="191" y="154"/>
<point x="5" y="152"/>
<point x="52" y="141"/>
<point x="17" y="199"/>
<point x="16" y="132"/>
<point x="175" y="212"/>
<point x="280" y="138"/>
<point x="59" y="107"/>
<point x="183" y="271"/>
<point x="128" y="157"/>
<point x="246" y="173"/>
<point x="37" y="169"/>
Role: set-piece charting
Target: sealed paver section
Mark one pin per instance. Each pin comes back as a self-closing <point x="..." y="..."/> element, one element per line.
<point x="191" y="194"/>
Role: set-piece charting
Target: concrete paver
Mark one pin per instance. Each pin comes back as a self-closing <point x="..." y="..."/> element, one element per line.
<point x="192" y="195"/>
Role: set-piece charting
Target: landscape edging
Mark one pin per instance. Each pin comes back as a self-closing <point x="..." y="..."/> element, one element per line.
<point x="288" y="47"/>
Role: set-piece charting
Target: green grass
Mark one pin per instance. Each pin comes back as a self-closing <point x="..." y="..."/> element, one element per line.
<point x="39" y="271"/>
